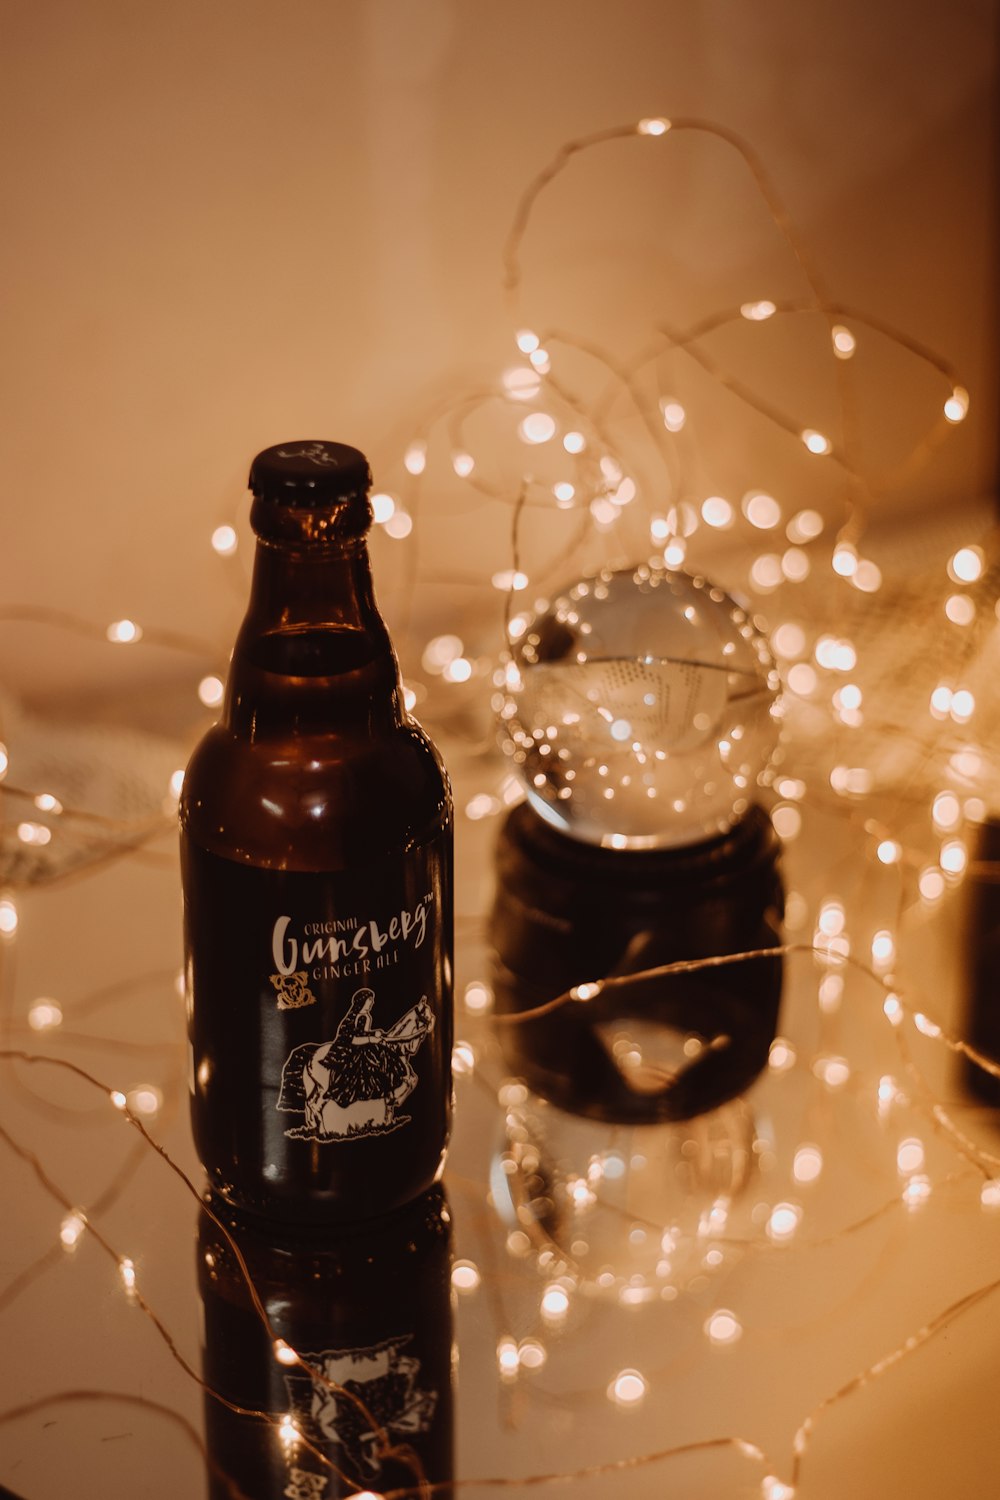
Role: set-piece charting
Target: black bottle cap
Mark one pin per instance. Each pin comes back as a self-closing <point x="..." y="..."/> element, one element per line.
<point x="308" y="472"/>
<point x="310" y="490"/>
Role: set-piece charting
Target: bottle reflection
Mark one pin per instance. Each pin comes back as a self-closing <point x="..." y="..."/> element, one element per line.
<point x="344" y="1385"/>
<point x="655" y="1048"/>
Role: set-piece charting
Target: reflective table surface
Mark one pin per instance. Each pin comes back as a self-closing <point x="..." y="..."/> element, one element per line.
<point x="793" y="1292"/>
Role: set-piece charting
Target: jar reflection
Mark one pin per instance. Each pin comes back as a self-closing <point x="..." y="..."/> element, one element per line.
<point x="344" y="1383"/>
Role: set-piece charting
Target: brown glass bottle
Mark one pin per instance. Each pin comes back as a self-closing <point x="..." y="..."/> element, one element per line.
<point x="316" y="854"/>
<point x="359" y="1389"/>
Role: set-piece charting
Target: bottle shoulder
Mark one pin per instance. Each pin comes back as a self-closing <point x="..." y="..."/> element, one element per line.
<point x="317" y="802"/>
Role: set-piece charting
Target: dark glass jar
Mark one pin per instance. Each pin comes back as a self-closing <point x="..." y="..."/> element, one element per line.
<point x="654" y="1047"/>
<point x="316" y="852"/>
<point x="341" y="1370"/>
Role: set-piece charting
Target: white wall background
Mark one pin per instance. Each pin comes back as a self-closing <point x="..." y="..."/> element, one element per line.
<point x="234" y="223"/>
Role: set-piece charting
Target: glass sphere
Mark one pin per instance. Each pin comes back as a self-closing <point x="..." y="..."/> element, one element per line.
<point x="641" y="709"/>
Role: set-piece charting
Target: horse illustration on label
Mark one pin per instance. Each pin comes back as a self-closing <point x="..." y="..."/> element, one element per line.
<point x="360" y="1399"/>
<point x="354" y="1085"/>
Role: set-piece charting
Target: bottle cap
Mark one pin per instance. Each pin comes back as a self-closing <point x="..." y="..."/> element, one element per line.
<point x="310" y="490"/>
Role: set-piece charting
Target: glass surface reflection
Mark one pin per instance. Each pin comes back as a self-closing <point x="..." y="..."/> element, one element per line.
<point x="332" y="1373"/>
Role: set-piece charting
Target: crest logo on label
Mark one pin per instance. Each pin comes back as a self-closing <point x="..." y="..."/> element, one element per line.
<point x="354" y="1085"/>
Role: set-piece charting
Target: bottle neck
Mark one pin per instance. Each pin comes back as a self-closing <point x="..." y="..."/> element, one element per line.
<point x="313" y="655"/>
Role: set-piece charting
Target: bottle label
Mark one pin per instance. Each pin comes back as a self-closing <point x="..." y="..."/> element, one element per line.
<point x="320" y="1012"/>
<point x="355" y="1082"/>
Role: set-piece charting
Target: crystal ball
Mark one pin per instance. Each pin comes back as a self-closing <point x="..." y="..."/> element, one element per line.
<point x="641" y="709"/>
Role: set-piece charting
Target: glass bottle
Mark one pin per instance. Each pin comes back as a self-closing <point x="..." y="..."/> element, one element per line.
<point x="316" y="856"/>
<point x="333" y="1375"/>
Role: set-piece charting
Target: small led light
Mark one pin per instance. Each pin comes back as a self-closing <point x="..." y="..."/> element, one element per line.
<point x="211" y="691"/>
<point x="463" y="464"/>
<point x="8" y="917"/>
<point x="564" y="492"/>
<point x="124" y="632"/>
<point x="867" y="576"/>
<point x="507" y="1357"/>
<point x="527" y="341"/>
<point x="787" y="822"/>
<point x="963" y="706"/>
<point x="762" y="511"/>
<point x="909" y="1156"/>
<point x="917" y="1191"/>
<point x="673" y="414"/>
<point x="966" y="565"/>
<point x="574" y="442"/>
<point x="627" y="1389"/>
<point x="383" y="506"/>
<point x="802" y="679"/>
<point x="520" y="383"/>
<point x="795" y="565"/>
<point x="459" y="670"/>
<point x="284" y="1353"/>
<point x="440" y="652"/>
<point x="463" y="1059"/>
<point x="655" y="126"/>
<point x="960" y="609"/>
<point x="126" y="1269"/>
<point x="4" y="760"/>
<point x="946" y="810"/>
<point x="176" y="784"/>
<point x="758" y="312"/>
<point x="555" y="1302"/>
<point x="931" y="884"/>
<point x="509" y="581"/>
<point x="805" y="526"/>
<point x="833" y="1071"/>
<point x="832" y="918"/>
<point x="287" y="1430"/>
<point x="531" y="1354"/>
<point x="989" y="1195"/>
<point x="781" y="1055"/>
<point x="808" y="1164"/>
<point x="784" y="1221"/>
<point x="723" y="1327"/>
<point x="941" y="701"/>
<point x="415" y="457"/>
<point x="43" y="1015"/>
<point x="118" y="1099"/>
<point x="465" y="1276"/>
<point x="788" y="641"/>
<point x="72" y="1228"/>
<point x="883" y="949"/>
<point x="766" y="571"/>
<point x="717" y="512"/>
<point x="537" y="427"/>
<point x="816" y="442"/>
<point x="399" y="525"/>
<point x="956" y="408"/>
<point x="772" y="1488"/>
<point x="478" y="998"/>
<point x="845" y="560"/>
<point x="953" y="857"/>
<point x="675" y="552"/>
<point x="585" y="991"/>
<point x="843" y="340"/>
<point x="540" y="359"/>
<point x="144" y="1100"/>
<point x="893" y="1009"/>
<point x="224" y="541"/>
<point x="35" y="834"/>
